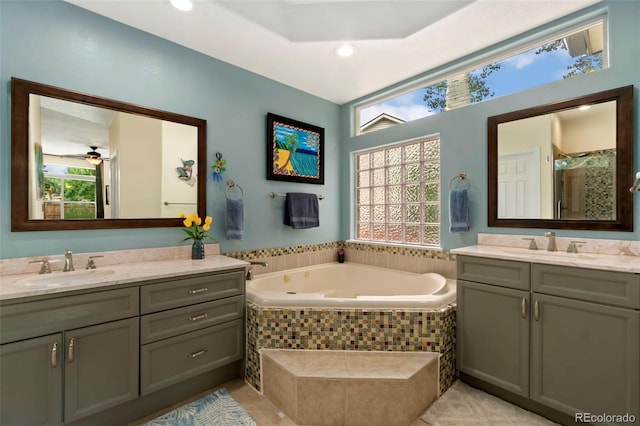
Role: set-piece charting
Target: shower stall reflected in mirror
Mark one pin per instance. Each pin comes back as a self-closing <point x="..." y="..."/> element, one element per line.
<point x="584" y="185"/>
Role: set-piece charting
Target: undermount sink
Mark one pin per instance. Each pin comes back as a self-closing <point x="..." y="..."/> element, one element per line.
<point x="58" y="278"/>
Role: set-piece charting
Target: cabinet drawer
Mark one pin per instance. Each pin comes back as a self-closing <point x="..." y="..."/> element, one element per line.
<point x="505" y="273"/>
<point x="170" y="361"/>
<point x="606" y="287"/>
<point x="32" y="319"/>
<point x="162" y="325"/>
<point x="187" y="291"/>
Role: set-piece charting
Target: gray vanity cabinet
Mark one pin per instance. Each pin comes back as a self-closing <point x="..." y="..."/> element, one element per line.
<point x="190" y="326"/>
<point x="585" y="354"/>
<point x="87" y="360"/>
<point x="561" y="340"/>
<point x="493" y="342"/>
<point x="31" y="385"/>
<point x="493" y="322"/>
<point x="101" y="367"/>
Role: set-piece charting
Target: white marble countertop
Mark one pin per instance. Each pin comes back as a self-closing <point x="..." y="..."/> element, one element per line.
<point x="608" y="262"/>
<point x="32" y="284"/>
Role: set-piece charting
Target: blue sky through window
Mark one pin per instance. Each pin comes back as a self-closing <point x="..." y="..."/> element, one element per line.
<point x="519" y="72"/>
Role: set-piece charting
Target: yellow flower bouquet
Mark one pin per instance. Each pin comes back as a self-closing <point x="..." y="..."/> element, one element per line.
<point x="192" y="227"/>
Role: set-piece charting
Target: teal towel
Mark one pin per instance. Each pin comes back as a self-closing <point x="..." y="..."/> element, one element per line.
<point x="458" y="211"/>
<point x="235" y="219"/>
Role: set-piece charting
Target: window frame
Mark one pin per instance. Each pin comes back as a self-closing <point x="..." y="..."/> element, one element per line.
<point x="64" y="177"/>
<point x="490" y="55"/>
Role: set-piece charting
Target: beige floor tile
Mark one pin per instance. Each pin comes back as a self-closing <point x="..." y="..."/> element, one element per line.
<point x="459" y="406"/>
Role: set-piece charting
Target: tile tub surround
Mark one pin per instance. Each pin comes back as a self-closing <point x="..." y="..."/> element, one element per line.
<point x="350" y="387"/>
<point x="409" y="259"/>
<point x="609" y="255"/>
<point x="351" y="329"/>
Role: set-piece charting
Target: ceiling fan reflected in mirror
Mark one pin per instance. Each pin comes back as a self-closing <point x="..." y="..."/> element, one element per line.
<point x="93" y="156"/>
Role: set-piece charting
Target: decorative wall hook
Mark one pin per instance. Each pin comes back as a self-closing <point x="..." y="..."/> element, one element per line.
<point x="218" y="167"/>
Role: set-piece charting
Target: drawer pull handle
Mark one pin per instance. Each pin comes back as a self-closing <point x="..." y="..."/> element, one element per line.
<point x="54" y="355"/>
<point x="524" y="308"/>
<point x="198" y="317"/>
<point x="536" y="311"/>
<point x="198" y="353"/>
<point x="198" y="290"/>
<point x="71" y="350"/>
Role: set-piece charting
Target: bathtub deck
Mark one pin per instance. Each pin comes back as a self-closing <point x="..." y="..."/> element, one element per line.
<point x="350" y="387"/>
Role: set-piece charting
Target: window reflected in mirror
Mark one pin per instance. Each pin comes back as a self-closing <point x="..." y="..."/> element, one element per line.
<point x="87" y="151"/>
<point x="80" y="161"/>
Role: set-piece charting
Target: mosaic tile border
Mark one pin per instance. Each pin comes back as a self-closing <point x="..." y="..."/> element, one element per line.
<point x="311" y="248"/>
<point x="351" y="329"/>
<point x="282" y="251"/>
<point x="426" y="253"/>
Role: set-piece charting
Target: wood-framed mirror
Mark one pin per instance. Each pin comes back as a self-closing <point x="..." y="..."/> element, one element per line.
<point x="80" y="161"/>
<point x="563" y="165"/>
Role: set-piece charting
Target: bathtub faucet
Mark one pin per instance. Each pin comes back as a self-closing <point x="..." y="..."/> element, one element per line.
<point x="254" y="262"/>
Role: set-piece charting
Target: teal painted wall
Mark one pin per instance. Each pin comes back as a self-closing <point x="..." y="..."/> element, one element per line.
<point x="56" y="43"/>
<point x="463" y="131"/>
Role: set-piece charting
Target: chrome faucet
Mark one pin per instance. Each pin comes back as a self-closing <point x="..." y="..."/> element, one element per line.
<point x="552" y="240"/>
<point x="91" y="264"/>
<point x="45" y="268"/>
<point x="68" y="261"/>
<point x="572" y="246"/>
<point x="254" y="262"/>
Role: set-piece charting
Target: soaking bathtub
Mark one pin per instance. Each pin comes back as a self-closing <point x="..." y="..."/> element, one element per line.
<point x="351" y="285"/>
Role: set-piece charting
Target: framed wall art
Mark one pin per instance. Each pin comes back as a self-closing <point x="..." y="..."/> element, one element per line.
<point x="294" y="151"/>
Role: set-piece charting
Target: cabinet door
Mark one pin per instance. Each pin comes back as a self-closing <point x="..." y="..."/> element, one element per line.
<point x="101" y="367"/>
<point x="493" y="335"/>
<point x="31" y="382"/>
<point x="585" y="356"/>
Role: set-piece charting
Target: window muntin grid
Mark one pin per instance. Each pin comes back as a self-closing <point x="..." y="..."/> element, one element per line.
<point x="397" y="193"/>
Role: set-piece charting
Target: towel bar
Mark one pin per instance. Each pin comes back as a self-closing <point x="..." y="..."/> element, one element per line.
<point x="167" y="203"/>
<point x="274" y="195"/>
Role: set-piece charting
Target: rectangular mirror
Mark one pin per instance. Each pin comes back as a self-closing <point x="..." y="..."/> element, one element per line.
<point x="564" y="165"/>
<point x="84" y="162"/>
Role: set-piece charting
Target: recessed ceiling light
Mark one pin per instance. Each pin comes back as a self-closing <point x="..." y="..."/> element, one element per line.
<point x="584" y="107"/>
<point x="345" y="50"/>
<point x="184" y="5"/>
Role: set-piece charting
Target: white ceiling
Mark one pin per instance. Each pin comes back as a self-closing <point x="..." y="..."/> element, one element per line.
<point x="293" y="41"/>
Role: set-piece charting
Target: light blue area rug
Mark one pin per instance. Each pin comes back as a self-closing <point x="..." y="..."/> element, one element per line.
<point x="216" y="409"/>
